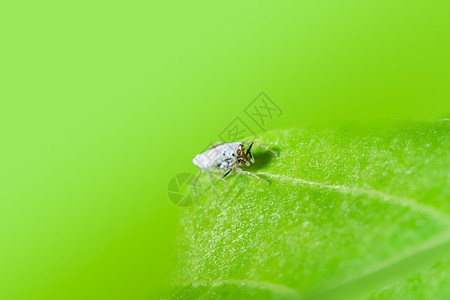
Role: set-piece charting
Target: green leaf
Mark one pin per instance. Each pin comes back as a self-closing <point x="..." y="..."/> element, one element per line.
<point x="350" y="210"/>
<point x="432" y="283"/>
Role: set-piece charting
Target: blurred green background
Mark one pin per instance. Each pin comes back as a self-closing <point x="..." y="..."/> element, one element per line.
<point x="103" y="102"/>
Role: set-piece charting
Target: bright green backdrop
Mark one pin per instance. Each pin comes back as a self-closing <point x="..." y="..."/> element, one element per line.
<point x="102" y="102"/>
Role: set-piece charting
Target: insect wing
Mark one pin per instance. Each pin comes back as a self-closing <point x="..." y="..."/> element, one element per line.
<point x="208" y="159"/>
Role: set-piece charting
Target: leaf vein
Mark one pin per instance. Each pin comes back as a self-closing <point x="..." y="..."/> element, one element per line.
<point x="403" y="201"/>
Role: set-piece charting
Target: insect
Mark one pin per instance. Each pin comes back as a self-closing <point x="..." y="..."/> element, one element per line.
<point x="224" y="158"/>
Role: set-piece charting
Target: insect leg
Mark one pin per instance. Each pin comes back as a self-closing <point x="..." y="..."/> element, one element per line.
<point x="225" y="183"/>
<point x="213" y="187"/>
<point x="240" y="171"/>
<point x="264" y="147"/>
<point x="194" y="184"/>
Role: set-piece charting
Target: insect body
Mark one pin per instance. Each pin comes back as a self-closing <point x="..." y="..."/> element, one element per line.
<point x="226" y="157"/>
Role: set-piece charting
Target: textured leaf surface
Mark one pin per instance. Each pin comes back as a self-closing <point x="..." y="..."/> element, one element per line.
<point x="352" y="211"/>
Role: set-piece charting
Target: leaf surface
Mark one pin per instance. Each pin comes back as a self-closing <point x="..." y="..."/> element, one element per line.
<point x="351" y="212"/>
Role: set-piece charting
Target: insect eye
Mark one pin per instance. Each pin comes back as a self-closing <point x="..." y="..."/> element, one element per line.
<point x="232" y="154"/>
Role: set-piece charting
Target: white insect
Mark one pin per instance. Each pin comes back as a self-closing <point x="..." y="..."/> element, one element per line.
<point x="224" y="158"/>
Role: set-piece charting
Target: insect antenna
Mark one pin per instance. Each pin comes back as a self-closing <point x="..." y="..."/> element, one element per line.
<point x="249" y="153"/>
